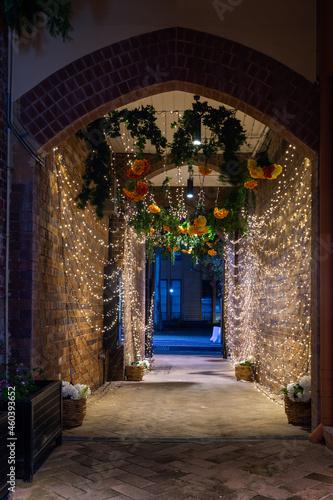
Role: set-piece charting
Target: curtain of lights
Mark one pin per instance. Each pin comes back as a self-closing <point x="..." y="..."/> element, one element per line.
<point x="267" y="288"/>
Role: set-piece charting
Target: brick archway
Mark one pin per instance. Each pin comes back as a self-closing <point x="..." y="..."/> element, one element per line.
<point x="165" y="60"/>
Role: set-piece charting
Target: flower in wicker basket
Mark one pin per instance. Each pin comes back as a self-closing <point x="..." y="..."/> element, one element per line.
<point x="135" y="371"/>
<point x="74" y="403"/>
<point x="297" y="401"/>
<point x="244" y="370"/>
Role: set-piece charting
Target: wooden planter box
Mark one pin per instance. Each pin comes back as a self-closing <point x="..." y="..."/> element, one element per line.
<point x="38" y="427"/>
<point x="134" y="372"/>
<point x="297" y="413"/>
<point x="4" y="465"/>
<point x="244" y="373"/>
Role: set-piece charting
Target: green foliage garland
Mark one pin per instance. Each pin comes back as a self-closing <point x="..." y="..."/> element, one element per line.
<point x="97" y="178"/>
<point x="227" y="135"/>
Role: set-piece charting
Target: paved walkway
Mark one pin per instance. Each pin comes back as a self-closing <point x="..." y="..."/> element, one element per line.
<point x="188" y="431"/>
<point x="186" y="397"/>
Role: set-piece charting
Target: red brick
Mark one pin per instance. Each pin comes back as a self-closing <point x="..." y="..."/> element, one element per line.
<point x="255" y="68"/>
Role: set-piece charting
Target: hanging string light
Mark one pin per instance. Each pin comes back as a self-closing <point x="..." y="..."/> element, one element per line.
<point x="267" y="290"/>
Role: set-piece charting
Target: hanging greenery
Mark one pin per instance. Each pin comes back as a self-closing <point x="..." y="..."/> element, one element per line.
<point x="226" y="134"/>
<point x="141" y="124"/>
<point x="97" y="176"/>
<point x="25" y="15"/>
<point x="202" y="232"/>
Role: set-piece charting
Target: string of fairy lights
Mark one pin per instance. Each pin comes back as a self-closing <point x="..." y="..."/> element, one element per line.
<point x="267" y="288"/>
<point x="81" y="268"/>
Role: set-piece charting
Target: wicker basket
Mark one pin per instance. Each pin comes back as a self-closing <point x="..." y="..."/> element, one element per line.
<point x="134" y="372"/>
<point x="244" y="373"/>
<point x="73" y="412"/>
<point x="297" y="413"/>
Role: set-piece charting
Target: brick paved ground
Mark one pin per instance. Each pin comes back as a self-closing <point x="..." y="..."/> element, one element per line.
<point x="185" y="396"/>
<point x="188" y="431"/>
<point x="278" y="469"/>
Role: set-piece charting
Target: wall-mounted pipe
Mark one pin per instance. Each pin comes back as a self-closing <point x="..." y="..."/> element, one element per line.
<point x="11" y="129"/>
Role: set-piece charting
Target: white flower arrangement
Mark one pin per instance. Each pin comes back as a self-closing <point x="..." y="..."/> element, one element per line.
<point x="299" y="392"/>
<point x="249" y="361"/>
<point x="77" y="391"/>
<point x="144" y="362"/>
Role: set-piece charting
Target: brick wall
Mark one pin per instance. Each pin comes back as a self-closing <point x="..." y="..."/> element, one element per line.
<point x="57" y="262"/>
<point x="171" y="59"/>
<point x="269" y="289"/>
<point x="3" y="156"/>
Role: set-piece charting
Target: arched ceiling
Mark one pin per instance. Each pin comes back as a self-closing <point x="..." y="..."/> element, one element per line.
<point x="169" y="107"/>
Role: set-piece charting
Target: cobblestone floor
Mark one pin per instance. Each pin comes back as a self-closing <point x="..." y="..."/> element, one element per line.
<point x="188" y="431"/>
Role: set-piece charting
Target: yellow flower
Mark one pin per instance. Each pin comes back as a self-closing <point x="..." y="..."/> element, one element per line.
<point x="255" y="171"/>
<point x="212" y="252"/>
<point x="152" y="230"/>
<point x="200" y="221"/>
<point x="202" y="230"/>
<point x="277" y="171"/>
<point x="204" y="170"/>
<point x="220" y="213"/>
<point x="154" y="209"/>
<point x="191" y="231"/>
<point x="250" y="184"/>
<point x="166" y="228"/>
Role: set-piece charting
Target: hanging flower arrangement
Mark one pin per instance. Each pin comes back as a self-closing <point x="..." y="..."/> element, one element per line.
<point x="204" y="170"/>
<point x="262" y="168"/>
<point x="202" y="232"/>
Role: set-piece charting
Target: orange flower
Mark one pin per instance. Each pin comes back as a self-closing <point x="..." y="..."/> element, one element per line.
<point x="212" y="252"/>
<point x="140" y="167"/>
<point x="154" y="209"/>
<point x="174" y="249"/>
<point x="183" y="230"/>
<point x="220" y="213"/>
<point x="141" y="188"/>
<point x="204" y="170"/>
<point x="166" y="228"/>
<point x="200" y="221"/>
<point x="138" y="198"/>
<point x="152" y="230"/>
<point x="202" y="230"/>
<point x="132" y="175"/>
<point x="250" y="184"/>
<point x="184" y="251"/>
<point x="130" y="195"/>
